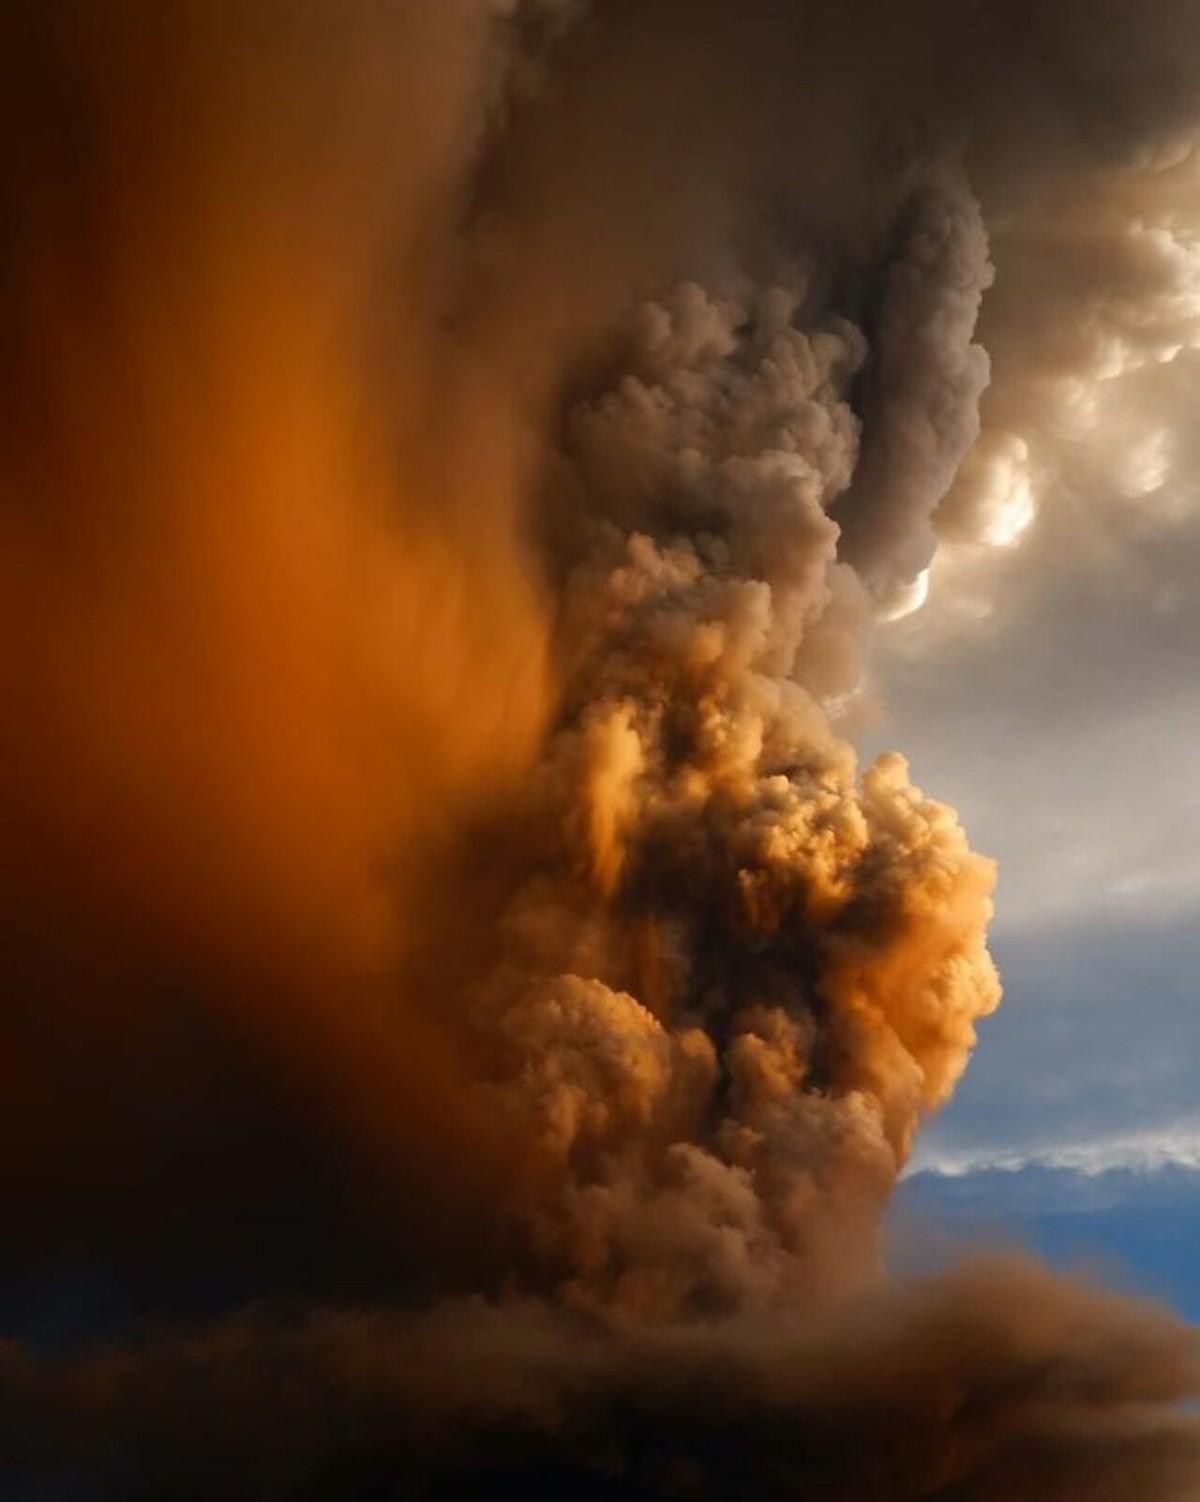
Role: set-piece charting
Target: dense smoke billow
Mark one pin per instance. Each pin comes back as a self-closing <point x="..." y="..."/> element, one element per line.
<point x="469" y="1008"/>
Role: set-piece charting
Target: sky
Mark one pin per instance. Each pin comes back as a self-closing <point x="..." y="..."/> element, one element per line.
<point x="597" y="831"/>
<point x="1062" y="723"/>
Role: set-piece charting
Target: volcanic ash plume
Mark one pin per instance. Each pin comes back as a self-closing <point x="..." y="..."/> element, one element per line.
<point x="456" y="459"/>
<point x="737" y="975"/>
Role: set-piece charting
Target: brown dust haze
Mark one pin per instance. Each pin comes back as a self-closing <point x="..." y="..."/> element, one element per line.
<point x="467" y="1006"/>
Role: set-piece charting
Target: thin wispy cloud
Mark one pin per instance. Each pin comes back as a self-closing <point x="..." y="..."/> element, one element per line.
<point x="1145" y="1152"/>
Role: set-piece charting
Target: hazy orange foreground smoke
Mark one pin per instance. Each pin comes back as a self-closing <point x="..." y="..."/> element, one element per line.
<point x="250" y="583"/>
<point x="454" y="457"/>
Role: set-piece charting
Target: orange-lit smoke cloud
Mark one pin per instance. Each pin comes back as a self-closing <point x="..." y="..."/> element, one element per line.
<point x="455" y="457"/>
<point x="259" y="550"/>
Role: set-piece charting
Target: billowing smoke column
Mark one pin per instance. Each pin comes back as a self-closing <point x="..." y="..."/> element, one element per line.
<point x="737" y="975"/>
<point x="455" y="459"/>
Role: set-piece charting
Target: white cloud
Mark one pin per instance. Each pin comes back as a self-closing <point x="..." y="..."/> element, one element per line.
<point x="1147" y="1151"/>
